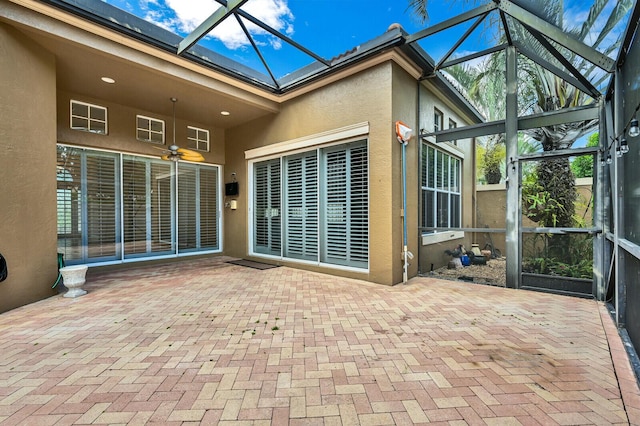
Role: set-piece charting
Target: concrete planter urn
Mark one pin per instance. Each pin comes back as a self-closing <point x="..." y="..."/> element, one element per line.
<point x="74" y="278"/>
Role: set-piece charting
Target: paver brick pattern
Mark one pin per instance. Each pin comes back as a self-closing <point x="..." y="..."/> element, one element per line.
<point x="203" y="341"/>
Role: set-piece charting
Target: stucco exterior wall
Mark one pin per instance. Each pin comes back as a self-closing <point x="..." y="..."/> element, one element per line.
<point x="121" y="134"/>
<point x="27" y="144"/>
<point x="405" y="95"/>
<point x="432" y="247"/>
<point x="363" y="97"/>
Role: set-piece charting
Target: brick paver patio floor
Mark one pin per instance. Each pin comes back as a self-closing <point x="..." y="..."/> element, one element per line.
<point x="203" y="341"/>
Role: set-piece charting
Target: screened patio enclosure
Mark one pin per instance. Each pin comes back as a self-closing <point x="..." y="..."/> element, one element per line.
<point x="610" y="88"/>
<point x="593" y="61"/>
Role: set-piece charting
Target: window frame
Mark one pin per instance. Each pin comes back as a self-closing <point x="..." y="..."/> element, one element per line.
<point x="319" y="144"/>
<point x="208" y="231"/>
<point x="431" y="184"/>
<point x="195" y="142"/>
<point x="149" y="130"/>
<point x="89" y="118"/>
<point x="438" y="120"/>
<point x="453" y="125"/>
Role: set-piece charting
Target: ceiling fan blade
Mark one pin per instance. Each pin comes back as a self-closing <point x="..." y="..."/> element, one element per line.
<point x="187" y="151"/>
<point x="196" y="158"/>
<point x="189" y="155"/>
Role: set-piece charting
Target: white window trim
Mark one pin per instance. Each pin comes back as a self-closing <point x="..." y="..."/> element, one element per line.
<point x="150" y="119"/>
<point x="447" y="147"/>
<point x="438" y="113"/>
<point x="208" y="141"/>
<point x="305" y="142"/>
<point x="88" y="130"/>
<point x="441" y="236"/>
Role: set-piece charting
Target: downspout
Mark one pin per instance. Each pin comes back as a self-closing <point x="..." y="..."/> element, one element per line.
<point x="405" y="250"/>
<point x="403" y="133"/>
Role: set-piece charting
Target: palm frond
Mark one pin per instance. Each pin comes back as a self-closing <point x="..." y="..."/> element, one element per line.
<point x="419" y="8"/>
<point x="620" y="10"/>
<point x="594" y="12"/>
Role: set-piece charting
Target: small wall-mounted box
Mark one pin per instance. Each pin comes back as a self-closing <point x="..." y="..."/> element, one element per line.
<point x="231" y="189"/>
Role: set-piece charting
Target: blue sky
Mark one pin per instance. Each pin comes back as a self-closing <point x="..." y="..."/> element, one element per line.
<point x="326" y="27"/>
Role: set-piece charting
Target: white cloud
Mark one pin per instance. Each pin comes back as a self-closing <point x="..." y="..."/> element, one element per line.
<point x="185" y="16"/>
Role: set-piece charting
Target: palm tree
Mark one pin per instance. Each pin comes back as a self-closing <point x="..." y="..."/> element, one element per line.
<point x="549" y="195"/>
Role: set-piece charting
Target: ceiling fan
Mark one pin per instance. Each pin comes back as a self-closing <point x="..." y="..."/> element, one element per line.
<point x="174" y="152"/>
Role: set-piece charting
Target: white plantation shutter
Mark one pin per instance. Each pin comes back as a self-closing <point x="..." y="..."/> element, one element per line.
<point x="162" y="207"/>
<point x="198" y="207"/>
<point x="135" y="204"/>
<point x="335" y="244"/>
<point x="301" y="206"/>
<point x="69" y="192"/>
<point x="101" y="197"/>
<point x="187" y="218"/>
<point x="267" y="208"/>
<point x="323" y="213"/>
<point x="359" y="206"/>
<point x="345" y="206"/>
<point x="209" y="208"/>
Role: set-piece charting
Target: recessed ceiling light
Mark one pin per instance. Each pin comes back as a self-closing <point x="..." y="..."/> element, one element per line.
<point x="225" y="113"/>
<point x="108" y="80"/>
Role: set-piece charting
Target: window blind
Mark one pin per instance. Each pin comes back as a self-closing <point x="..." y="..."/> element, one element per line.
<point x="110" y="212"/>
<point x="267" y="206"/>
<point x="301" y="207"/>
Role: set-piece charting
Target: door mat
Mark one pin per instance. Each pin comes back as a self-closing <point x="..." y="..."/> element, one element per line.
<point x="252" y="264"/>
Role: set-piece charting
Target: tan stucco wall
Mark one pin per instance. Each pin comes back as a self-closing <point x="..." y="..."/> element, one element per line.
<point x="121" y="135"/>
<point x="405" y="95"/>
<point x="430" y="98"/>
<point x="363" y="97"/>
<point x="27" y="144"/>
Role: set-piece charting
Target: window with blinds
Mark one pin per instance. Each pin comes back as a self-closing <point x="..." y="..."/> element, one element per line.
<point x="266" y="205"/>
<point x="88" y="200"/>
<point x="197" y="208"/>
<point x="345" y="197"/>
<point x="441" y="190"/>
<point x="325" y="206"/>
<point x="301" y="207"/>
<point x="113" y="206"/>
<point x="146" y="210"/>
